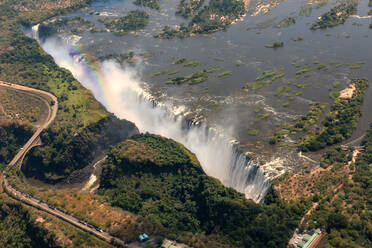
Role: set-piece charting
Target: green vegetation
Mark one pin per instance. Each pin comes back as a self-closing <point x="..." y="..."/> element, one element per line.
<point x="134" y="20"/>
<point x="224" y="74"/>
<point x="322" y="67"/>
<point x="300" y="86"/>
<point x="275" y="44"/>
<point x="78" y="150"/>
<point x="79" y="117"/>
<point x="357" y="65"/>
<point x="179" y="61"/>
<point x="265" y="79"/>
<point x="286" y="22"/>
<point x="194" y="78"/>
<point x="266" y="74"/>
<point x="265" y="24"/>
<point x="156" y="74"/>
<point x="336" y="16"/>
<point x="282" y="89"/>
<point x="213" y="69"/>
<point x="12" y="137"/>
<point x="334" y="95"/>
<point x="340" y="122"/>
<point x="303" y="71"/>
<point x="217" y="15"/>
<point x="153" y="4"/>
<point x="286" y="104"/>
<point x="265" y="116"/>
<point x="336" y="84"/>
<point x="335" y="155"/>
<point x="302" y="124"/>
<point x="192" y="64"/>
<point x="159" y="179"/>
<point x="173" y="72"/>
<point x="299" y="38"/>
<point x="258" y="110"/>
<point x="253" y="132"/>
<point x="187" y="8"/>
<point x="345" y="215"/>
<point x="17" y="229"/>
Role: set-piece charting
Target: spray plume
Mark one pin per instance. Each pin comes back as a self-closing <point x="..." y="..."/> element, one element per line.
<point x="122" y="93"/>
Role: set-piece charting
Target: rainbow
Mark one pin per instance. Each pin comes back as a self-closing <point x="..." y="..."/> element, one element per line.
<point x="92" y="70"/>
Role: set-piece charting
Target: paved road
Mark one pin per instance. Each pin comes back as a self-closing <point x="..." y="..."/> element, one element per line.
<point x="58" y="213"/>
<point x="37" y="203"/>
<point x="51" y="116"/>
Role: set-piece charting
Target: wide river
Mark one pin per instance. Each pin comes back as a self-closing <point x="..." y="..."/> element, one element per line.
<point x="250" y="117"/>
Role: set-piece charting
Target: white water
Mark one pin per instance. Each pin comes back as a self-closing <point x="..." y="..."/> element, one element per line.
<point x="128" y="99"/>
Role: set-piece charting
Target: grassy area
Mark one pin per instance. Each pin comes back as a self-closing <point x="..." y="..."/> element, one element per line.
<point x="336" y="84"/>
<point x="253" y="132"/>
<point x="192" y="64"/>
<point x="160" y="73"/>
<point x="224" y="74"/>
<point x="282" y="89"/>
<point x="286" y="22"/>
<point x="179" y="61"/>
<point x="275" y="44"/>
<point x="357" y="65"/>
<point x="265" y="79"/>
<point x="303" y="71"/>
<point x="299" y="38"/>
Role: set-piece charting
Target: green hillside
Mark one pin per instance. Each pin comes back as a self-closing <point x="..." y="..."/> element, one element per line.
<point x="161" y="180"/>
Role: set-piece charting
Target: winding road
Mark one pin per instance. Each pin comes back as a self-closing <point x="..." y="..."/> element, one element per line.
<point x="53" y="107"/>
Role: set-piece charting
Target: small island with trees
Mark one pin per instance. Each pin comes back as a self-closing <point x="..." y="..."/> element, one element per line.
<point x="218" y="15"/>
<point x="336" y="16"/>
<point x="134" y="20"/>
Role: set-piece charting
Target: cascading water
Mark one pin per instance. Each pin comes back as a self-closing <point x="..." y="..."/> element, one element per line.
<point x="123" y="94"/>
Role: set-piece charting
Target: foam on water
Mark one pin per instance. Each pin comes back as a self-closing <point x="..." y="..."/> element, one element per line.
<point x="217" y="152"/>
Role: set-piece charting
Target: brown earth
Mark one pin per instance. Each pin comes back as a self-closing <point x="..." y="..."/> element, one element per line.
<point x="22" y="107"/>
<point x="307" y="183"/>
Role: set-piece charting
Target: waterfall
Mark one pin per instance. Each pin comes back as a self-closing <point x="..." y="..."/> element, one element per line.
<point x="122" y="93"/>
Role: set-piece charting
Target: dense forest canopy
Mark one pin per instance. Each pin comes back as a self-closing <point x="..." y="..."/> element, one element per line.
<point x="160" y="179"/>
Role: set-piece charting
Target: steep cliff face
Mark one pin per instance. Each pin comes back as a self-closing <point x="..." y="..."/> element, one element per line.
<point x="66" y="152"/>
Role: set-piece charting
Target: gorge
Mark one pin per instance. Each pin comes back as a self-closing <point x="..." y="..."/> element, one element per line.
<point x="122" y="93"/>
